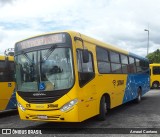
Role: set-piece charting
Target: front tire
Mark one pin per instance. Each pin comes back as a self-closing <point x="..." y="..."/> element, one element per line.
<point x="102" y="109"/>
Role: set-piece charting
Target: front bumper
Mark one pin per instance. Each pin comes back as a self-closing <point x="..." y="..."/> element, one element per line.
<point x="50" y="115"/>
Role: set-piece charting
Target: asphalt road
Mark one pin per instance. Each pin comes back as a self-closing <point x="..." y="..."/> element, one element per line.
<point x="146" y="114"/>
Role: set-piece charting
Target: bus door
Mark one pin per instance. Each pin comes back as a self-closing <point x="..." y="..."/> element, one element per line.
<point x="87" y="89"/>
<point x="6" y="84"/>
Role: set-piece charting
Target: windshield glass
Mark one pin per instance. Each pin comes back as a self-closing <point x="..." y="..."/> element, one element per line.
<point x="46" y="70"/>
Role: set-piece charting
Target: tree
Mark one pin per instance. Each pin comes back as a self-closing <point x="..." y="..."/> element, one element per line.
<point x="154" y="57"/>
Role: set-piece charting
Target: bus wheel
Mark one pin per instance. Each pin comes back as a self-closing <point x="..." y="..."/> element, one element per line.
<point x="139" y="96"/>
<point x="102" y="109"/>
<point x="155" y="84"/>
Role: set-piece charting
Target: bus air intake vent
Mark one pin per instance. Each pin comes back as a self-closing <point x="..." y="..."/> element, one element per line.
<point x="41" y="100"/>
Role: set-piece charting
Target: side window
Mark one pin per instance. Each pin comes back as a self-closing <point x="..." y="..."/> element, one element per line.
<point x="11" y="71"/>
<point x="103" y="60"/>
<point x="114" y="57"/>
<point x="156" y="70"/>
<point x="3" y="72"/>
<point x="116" y="68"/>
<point x="138" y="65"/>
<point x="146" y="66"/>
<point x="85" y="70"/>
<point x="142" y="65"/>
<point x="84" y="67"/>
<point x="115" y="62"/>
<point x="131" y="66"/>
<point x="124" y="61"/>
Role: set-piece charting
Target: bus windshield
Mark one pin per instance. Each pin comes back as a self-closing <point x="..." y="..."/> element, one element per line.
<point x="47" y="70"/>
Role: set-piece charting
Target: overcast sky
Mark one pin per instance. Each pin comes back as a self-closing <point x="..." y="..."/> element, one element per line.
<point x="118" y="22"/>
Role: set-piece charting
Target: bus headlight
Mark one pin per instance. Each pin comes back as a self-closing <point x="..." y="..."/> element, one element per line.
<point x="20" y="106"/>
<point x="69" y="105"/>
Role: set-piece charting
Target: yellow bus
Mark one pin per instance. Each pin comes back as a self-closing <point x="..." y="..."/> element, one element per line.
<point x="154" y="75"/>
<point x="69" y="77"/>
<point x="7" y="83"/>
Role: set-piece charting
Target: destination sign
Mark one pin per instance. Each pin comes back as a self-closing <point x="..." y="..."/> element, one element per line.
<point x="41" y="40"/>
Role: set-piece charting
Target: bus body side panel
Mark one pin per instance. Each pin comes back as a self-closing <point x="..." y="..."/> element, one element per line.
<point x="114" y="85"/>
<point x="135" y="81"/>
<point x="12" y="102"/>
<point x="6" y="92"/>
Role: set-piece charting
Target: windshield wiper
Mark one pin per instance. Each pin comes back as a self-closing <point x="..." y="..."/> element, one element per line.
<point x="48" y="53"/>
<point x="27" y="57"/>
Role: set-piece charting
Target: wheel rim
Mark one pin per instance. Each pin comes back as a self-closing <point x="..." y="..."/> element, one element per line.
<point x="139" y="97"/>
<point x="155" y="85"/>
<point x="105" y="107"/>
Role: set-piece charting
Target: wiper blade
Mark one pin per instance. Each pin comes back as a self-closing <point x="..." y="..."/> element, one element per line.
<point x="48" y="53"/>
<point x="27" y="57"/>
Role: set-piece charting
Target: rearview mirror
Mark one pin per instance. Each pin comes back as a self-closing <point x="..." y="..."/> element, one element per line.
<point x="85" y="55"/>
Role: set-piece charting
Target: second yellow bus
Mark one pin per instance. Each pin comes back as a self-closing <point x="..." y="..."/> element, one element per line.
<point x="155" y="75"/>
<point x="7" y="83"/>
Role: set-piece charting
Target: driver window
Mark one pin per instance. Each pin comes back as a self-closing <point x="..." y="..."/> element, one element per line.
<point x="2" y="72"/>
<point x="85" y="70"/>
<point x="84" y="67"/>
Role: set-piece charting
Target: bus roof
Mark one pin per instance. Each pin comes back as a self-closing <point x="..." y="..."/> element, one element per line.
<point x="90" y="40"/>
<point x="155" y="64"/>
<point x="2" y="57"/>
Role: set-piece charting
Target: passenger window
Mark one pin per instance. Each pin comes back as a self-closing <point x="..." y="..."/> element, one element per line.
<point x="116" y="68"/>
<point x="124" y="69"/>
<point x="124" y="61"/>
<point x="139" y="68"/>
<point x="104" y="67"/>
<point x="103" y="61"/>
<point x="115" y="63"/>
<point x="131" y="67"/>
<point x="137" y="62"/>
<point x="114" y="57"/>
<point x="102" y="54"/>
<point x="142" y="65"/>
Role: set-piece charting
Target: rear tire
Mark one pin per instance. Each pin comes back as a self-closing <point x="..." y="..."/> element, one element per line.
<point x="102" y="109"/>
<point x="139" y="96"/>
<point x="155" y="85"/>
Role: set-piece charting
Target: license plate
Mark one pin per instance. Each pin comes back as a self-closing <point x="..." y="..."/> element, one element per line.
<point x="42" y="117"/>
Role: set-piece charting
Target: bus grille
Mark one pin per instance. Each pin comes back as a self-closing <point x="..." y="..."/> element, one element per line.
<point x="41" y="100"/>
